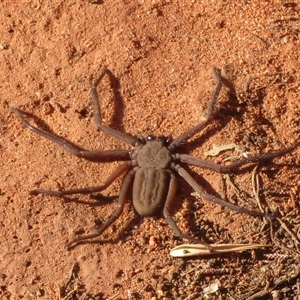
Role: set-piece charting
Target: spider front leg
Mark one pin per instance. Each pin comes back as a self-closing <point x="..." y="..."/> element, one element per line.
<point x="121" y="202"/>
<point x="190" y="133"/>
<point x="98" y="156"/>
<point x="127" y="138"/>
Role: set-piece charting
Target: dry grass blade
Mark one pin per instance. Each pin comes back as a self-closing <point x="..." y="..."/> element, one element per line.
<point x="189" y="250"/>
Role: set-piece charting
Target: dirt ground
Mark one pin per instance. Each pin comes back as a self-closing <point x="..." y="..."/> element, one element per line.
<point x="160" y="55"/>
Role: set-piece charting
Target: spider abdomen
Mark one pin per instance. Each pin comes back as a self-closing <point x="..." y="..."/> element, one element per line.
<point x="150" y="188"/>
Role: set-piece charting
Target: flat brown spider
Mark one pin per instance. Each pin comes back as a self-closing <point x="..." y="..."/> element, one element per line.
<point x="150" y="168"/>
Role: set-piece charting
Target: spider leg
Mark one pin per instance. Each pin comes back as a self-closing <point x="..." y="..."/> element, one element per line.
<point x="185" y="175"/>
<point x="87" y="190"/>
<point x="223" y="169"/>
<point x="127" y="138"/>
<point x="188" y="134"/>
<point x="121" y="202"/>
<point x="167" y="215"/>
<point x="106" y="155"/>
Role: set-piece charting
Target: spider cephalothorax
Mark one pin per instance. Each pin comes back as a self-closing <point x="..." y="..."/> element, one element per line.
<point x="151" y="168"/>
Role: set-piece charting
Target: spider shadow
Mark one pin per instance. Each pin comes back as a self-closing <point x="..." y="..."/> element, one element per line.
<point x="194" y="224"/>
<point x="100" y="200"/>
<point x="123" y="232"/>
<point x="122" y="235"/>
<point x="43" y="126"/>
<point x="207" y="186"/>
<point x="233" y="108"/>
<point x="229" y="110"/>
<point x="271" y="171"/>
<point x="193" y="204"/>
<point x="96" y="2"/>
<point x="118" y="113"/>
<point x="258" y="138"/>
<point x="221" y="118"/>
<point x="209" y="189"/>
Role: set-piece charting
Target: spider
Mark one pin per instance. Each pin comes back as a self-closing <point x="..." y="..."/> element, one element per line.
<point x="150" y="169"/>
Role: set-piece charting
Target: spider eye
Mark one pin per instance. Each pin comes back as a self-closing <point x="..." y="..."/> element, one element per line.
<point x="168" y="139"/>
<point x="165" y="139"/>
<point x="150" y="137"/>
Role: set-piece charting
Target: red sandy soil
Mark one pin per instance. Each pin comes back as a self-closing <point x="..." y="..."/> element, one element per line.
<point x="161" y="54"/>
